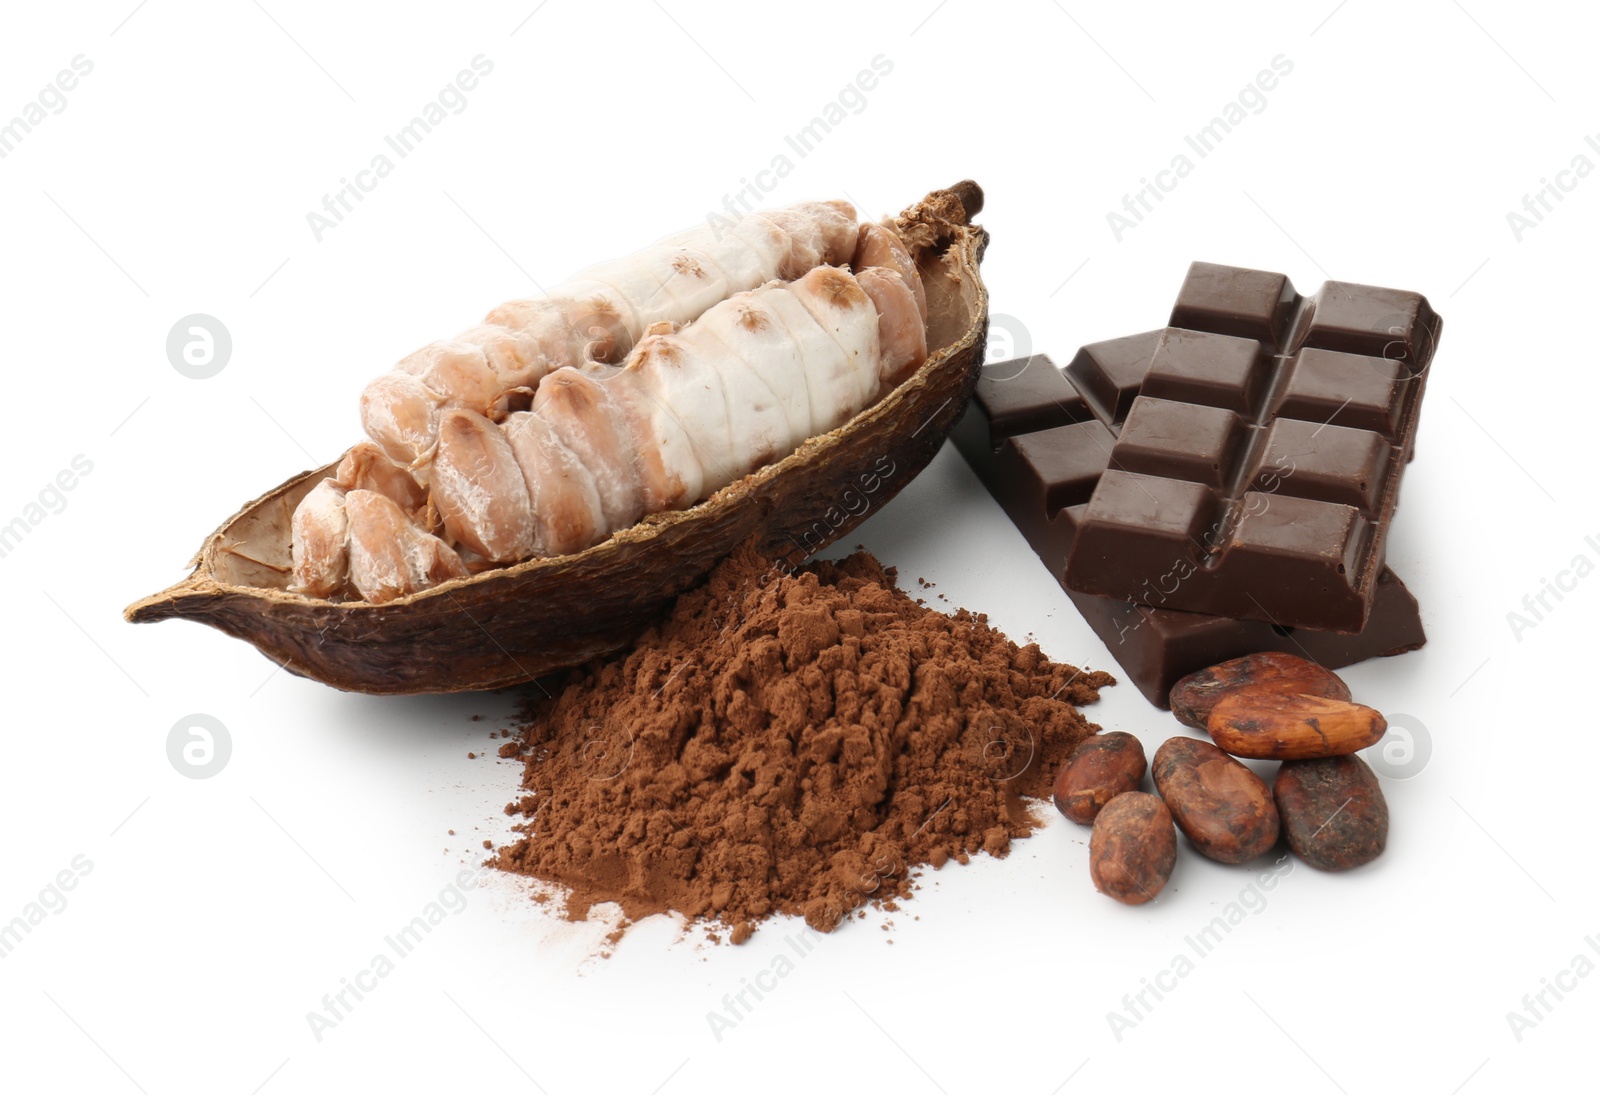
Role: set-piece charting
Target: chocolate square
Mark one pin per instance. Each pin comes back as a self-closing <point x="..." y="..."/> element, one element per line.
<point x="1358" y="391"/>
<point x="1179" y="440"/>
<point x="1234" y="301"/>
<point x="1211" y="369"/>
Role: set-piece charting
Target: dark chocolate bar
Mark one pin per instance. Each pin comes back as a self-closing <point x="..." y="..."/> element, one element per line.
<point x="1258" y="449"/>
<point x="1040" y="445"/>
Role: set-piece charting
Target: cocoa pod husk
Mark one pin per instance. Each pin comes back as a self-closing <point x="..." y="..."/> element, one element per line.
<point x="513" y="624"/>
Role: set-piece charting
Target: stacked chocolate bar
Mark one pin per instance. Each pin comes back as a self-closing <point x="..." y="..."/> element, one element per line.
<point x="1224" y="485"/>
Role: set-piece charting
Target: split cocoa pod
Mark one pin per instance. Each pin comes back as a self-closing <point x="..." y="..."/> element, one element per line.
<point x="512" y="624"/>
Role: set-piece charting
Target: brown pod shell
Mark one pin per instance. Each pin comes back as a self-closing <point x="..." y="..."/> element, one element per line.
<point x="1224" y="808"/>
<point x="1333" y="811"/>
<point x="509" y="625"/>
<point x="1099" y="769"/>
<point x="1133" y="848"/>
<point x="1266" y="724"/>
<point x="1193" y="697"/>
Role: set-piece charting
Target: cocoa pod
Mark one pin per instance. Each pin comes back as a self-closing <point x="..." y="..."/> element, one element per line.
<point x="1224" y="808"/>
<point x="509" y="625"/>
<point x="1333" y="811"/>
<point x="1099" y="769"/>
<point x="1193" y="697"/>
<point x="1133" y="848"/>
<point x="1266" y="724"/>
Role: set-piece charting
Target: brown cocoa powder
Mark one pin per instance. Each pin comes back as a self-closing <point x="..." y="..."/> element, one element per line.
<point x="789" y="741"/>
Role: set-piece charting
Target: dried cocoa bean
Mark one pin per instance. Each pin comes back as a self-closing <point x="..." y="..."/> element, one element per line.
<point x="1333" y="810"/>
<point x="1133" y="848"/>
<point x="1223" y="807"/>
<point x="1194" y="696"/>
<point x="1099" y="769"/>
<point x="1267" y="724"/>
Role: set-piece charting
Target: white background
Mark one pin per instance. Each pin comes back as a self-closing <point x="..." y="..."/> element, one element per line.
<point x="218" y="912"/>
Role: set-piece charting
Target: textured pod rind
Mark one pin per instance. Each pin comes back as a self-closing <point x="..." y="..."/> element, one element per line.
<point x="511" y="625"/>
<point x="1224" y="808"/>
<point x="1333" y="811"/>
<point x="1099" y="769"/>
<point x="1193" y="698"/>
<point x="1133" y="848"/>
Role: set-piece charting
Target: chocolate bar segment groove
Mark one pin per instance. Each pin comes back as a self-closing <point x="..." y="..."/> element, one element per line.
<point x="1258" y="458"/>
<point x="1044" y="477"/>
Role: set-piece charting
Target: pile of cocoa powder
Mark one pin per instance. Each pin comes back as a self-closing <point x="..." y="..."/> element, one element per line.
<point x="789" y="741"/>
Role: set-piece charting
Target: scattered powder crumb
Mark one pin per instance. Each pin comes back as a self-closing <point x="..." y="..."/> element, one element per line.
<point x="788" y="741"/>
